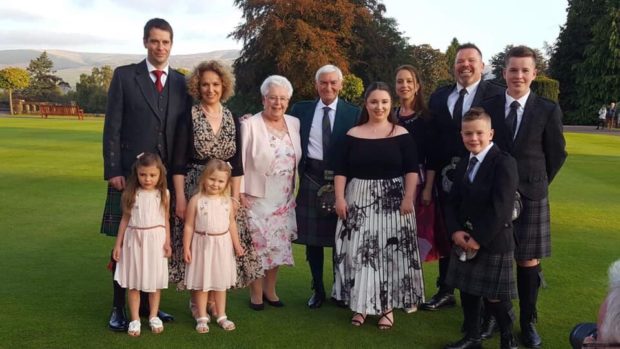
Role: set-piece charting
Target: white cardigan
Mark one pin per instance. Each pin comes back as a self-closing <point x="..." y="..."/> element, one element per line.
<point x="256" y="154"/>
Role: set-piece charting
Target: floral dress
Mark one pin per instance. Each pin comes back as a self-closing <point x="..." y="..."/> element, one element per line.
<point x="271" y="219"/>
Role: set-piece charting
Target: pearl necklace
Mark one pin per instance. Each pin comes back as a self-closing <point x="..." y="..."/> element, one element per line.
<point x="212" y="116"/>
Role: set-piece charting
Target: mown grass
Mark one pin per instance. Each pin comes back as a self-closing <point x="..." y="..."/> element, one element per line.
<point x="55" y="291"/>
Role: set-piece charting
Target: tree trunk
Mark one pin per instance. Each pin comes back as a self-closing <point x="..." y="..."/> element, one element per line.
<point x="10" y="102"/>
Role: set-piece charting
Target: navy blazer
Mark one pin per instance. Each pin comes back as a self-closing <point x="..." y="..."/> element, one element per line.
<point x="449" y="143"/>
<point x="133" y="123"/>
<point x="539" y="147"/>
<point x="487" y="203"/>
<point x="346" y="117"/>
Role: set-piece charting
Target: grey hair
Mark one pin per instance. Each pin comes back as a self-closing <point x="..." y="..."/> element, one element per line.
<point x="610" y="328"/>
<point x="276" y="80"/>
<point x="326" y="69"/>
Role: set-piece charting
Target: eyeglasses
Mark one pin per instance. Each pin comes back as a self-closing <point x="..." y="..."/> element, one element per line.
<point x="274" y="99"/>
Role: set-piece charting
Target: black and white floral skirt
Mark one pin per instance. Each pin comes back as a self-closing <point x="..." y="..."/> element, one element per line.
<point x="376" y="257"/>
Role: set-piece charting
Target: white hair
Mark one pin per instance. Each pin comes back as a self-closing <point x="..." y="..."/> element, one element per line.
<point x="326" y="69"/>
<point x="610" y="328"/>
<point x="276" y="80"/>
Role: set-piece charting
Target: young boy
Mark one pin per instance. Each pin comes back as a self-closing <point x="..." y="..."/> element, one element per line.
<point x="479" y="218"/>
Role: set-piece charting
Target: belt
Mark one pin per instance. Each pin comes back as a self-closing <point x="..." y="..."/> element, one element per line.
<point x="203" y="233"/>
<point x="315" y="167"/>
<point x="147" y="228"/>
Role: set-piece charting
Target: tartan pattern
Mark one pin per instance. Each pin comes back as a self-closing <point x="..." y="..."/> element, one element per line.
<point x="112" y="212"/>
<point x="313" y="229"/>
<point x="489" y="275"/>
<point x="533" y="230"/>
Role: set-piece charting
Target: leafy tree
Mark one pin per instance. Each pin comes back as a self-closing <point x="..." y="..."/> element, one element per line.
<point x="352" y="88"/>
<point x="451" y="55"/>
<point x="43" y="83"/>
<point x="91" y="92"/>
<point x="431" y="64"/>
<point x="13" y="79"/>
<point x="497" y="64"/>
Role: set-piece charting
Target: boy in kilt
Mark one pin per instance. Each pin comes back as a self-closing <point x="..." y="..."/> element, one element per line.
<point x="478" y="216"/>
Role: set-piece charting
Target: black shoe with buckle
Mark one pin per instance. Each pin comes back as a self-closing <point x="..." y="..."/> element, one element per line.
<point x="118" y="320"/>
<point x="465" y="343"/>
<point x="316" y="301"/>
<point x="529" y="336"/>
<point x="508" y="341"/>
<point x="438" y="301"/>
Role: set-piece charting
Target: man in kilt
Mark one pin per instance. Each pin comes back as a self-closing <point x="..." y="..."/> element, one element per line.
<point x="529" y="127"/>
<point x="145" y="103"/>
<point x="323" y="125"/>
<point x="478" y="216"/>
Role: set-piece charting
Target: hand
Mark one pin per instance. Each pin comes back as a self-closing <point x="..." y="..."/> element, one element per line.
<point x="236" y="203"/>
<point x="427" y="195"/>
<point x="116" y="253"/>
<point x="181" y="205"/>
<point x="187" y="256"/>
<point x="472" y="244"/>
<point x="167" y="250"/>
<point x="341" y="208"/>
<point x="245" y="117"/>
<point x="406" y="206"/>
<point x="239" y="251"/>
<point x="460" y="238"/>
<point x="117" y="182"/>
<point x="243" y="200"/>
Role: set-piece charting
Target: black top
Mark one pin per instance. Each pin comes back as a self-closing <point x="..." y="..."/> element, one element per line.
<point x="422" y="132"/>
<point x="381" y="158"/>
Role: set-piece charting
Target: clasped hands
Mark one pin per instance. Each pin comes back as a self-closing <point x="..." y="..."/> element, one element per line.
<point x="465" y="241"/>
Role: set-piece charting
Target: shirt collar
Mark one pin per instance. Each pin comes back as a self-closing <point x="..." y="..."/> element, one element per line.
<point x="470" y="89"/>
<point x="331" y="106"/>
<point x="151" y="67"/>
<point x="482" y="154"/>
<point x="522" y="100"/>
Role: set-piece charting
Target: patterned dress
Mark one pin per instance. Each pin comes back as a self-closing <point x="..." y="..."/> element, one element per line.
<point x="376" y="259"/>
<point x="271" y="219"/>
<point x="202" y="145"/>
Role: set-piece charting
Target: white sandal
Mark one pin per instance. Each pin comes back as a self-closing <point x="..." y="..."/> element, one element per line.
<point x="157" y="326"/>
<point x="225" y="324"/>
<point x="202" y="325"/>
<point x="134" y="328"/>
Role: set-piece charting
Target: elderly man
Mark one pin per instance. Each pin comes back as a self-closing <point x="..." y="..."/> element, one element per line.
<point x="324" y="124"/>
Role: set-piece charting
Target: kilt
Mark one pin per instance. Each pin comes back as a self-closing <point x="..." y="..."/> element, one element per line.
<point x="112" y="212"/>
<point x="313" y="229"/>
<point x="533" y="230"/>
<point x="489" y="275"/>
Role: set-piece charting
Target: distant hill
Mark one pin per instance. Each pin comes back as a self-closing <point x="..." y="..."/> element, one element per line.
<point x="69" y="64"/>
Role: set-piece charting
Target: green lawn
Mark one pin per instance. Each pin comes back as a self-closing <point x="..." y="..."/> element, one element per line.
<point x="55" y="291"/>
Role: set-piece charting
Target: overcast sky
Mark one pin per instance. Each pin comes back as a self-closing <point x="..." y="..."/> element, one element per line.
<point x="115" y="26"/>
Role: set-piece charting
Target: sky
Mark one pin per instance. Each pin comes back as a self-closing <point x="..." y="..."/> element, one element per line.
<point x="115" y="26"/>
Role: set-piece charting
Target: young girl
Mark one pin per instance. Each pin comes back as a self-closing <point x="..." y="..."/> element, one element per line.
<point x="143" y="241"/>
<point x="209" y="238"/>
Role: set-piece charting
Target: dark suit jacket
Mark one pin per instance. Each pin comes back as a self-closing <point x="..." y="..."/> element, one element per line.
<point x="133" y="123"/>
<point x="486" y="203"/>
<point x="539" y="146"/>
<point x="449" y="143"/>
<point x="346" y="117"/>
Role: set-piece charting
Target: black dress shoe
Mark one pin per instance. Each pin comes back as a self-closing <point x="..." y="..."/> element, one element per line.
<point x="257" y="307"/>
<point x="439" y="300"/>
<point x="529" y="336"/>
<point x="316" y="301"/>
<point x="165" y="317"/>
<point x="339" y="303"/>
<point x="277" y="304"/>
<point x="508" y="341"/>
<point x="465" y="343"/>
<point x="118" y="320"/>
<point x="489" y="326"/>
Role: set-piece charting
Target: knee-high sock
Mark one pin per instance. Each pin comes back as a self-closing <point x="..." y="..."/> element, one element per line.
<point x="314" y="256"/>
<point x="444" y="262"/>
<point x="471" y="314"/>
<point x="502" y="311"/>
<point x="528" y="282"/>
<point x="118" y="299"/>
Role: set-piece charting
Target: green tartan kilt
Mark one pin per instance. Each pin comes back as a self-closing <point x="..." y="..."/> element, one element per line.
<point x="112" y="212"/>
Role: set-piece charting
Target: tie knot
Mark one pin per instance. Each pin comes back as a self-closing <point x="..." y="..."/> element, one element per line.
<point x="473" y="161"/>
<point x="462" y="92"/>
<point x="158" y="73"/>
<point x="514" y="105"/>
<point x="326" y="110"/>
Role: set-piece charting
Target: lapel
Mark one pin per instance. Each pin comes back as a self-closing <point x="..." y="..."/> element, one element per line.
<point x="485" y="166"/>
<point x="305" y="121"/>
<point x="497" y="110"/>
<point x="480" y="93"/>
<point x="294" y="136"/>
<point x="443" y="107"/>
<point x="340" y="122"/>
<point x="145" y="84"/>
<point x="526" y="119"/>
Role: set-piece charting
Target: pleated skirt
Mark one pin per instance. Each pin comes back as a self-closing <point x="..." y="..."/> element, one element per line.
<point x="213" y="266"/>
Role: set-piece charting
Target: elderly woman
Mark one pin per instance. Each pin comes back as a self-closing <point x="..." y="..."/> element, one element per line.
<point x="377" y="262"/>
<point x="210" y="133"/>
<point x="271" y="153"/>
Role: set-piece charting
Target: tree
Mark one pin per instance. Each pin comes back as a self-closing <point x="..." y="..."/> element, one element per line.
<point x="43" y="83"/>
<point x="352" y="88"/>
<point x="92" y="90"/>
<point x="13" y="79"/>
<point x="497" y="64"/>
<point x="431" y="64"/>
<point x="451" y="55"/>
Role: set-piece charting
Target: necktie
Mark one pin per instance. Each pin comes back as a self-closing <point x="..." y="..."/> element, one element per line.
<point x="457" y="113"/>
<point x="511" y="119"/>
<point x="158" y="85"/>
<point x="470" y="168"/>
<point x="327" y="131"/>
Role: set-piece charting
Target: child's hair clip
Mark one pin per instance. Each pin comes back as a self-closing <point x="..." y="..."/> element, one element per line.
<point x="139" y="155"/>
<point x="229" y="165"/>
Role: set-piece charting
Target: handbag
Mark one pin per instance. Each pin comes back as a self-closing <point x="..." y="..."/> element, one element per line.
<point x="325" y="196"/>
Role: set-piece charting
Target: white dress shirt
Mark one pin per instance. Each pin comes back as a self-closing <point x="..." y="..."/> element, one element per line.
<point x="315" y="141"/>
<point x="468" y="99"/>
<point x="520" y="110"/>
<point x="164" y="76"/>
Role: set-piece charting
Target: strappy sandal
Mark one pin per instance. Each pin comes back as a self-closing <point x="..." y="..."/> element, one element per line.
<point x="157" y="326"/>
<point x="225" y="324"/>
<point x="202" y="324"/>
<point x="355" y="320"/>
<point x="134" y="328"/>
<point x="386" y="325"/>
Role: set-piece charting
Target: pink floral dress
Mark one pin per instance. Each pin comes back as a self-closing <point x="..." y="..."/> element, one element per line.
<point x="271" y="219"/>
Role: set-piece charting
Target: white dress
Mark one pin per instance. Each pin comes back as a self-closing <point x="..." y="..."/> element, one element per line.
<point x="142" y="265"/>
<point x="213" y="265"/>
